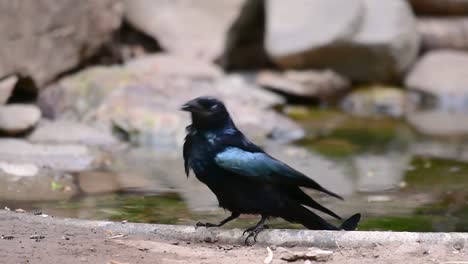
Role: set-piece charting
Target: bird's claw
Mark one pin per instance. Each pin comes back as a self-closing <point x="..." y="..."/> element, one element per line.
<point x="253" y="232"/>
<point x="200" y="224"/>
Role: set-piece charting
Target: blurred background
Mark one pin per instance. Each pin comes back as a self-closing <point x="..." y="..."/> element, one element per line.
<point x="368" y="97"/>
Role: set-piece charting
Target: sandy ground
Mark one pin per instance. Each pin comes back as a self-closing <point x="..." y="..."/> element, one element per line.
<point x="22" y="242"/>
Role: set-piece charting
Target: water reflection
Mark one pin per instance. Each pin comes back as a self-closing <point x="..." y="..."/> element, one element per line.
<point x="397" y="180"/>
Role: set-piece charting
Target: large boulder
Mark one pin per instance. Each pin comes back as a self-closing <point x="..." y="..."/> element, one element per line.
<point x="55" y="157"/>
<point x="41" y="39"/>
<point x="365" y="40"/>
<point x="190" y="28"/>
<point x="28" y="182"/>
<point x="439" y="87"/>
<point x="375" y="100"/>
<point x="443" y="33"/>
<point x="440" y="7"/>
<point x="442" y="74"/>
<point x="309" y="84"/>
<point x="67" y="132"/>
<point x="143" y="99"/>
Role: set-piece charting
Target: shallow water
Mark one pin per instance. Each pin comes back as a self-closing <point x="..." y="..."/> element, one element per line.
<point x="398" y="179"/>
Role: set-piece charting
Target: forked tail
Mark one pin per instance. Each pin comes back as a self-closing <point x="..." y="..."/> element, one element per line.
<point x="309" y="219"/>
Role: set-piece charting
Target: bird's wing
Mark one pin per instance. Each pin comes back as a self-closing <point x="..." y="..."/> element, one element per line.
<point x="260" y="166"/>
<point x="186" y="151"/>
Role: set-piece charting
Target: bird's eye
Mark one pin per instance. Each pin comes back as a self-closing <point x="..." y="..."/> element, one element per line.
<point x="213" y="107"/>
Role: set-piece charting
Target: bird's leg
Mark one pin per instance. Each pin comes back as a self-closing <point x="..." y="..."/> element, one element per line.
<point x="230" y="218"/>
<point x="255" y="230"/>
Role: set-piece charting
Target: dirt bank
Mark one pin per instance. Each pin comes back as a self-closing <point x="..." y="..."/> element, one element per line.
<point x="29" y="239"/>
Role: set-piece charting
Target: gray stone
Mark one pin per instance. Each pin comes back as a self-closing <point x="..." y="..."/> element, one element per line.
<point x="18" y="118"/>
<point x="443" y="33"/>
<point x="28" y="182"/>
<point x="67" y="132"/>
<point x="55" y="157"/>
<point x="439" y="122"/>
<point x="60" y="36"/>
<point x="375" y="100"/>
<point x="144" y="103"/>
<point x="365" y="40"/>
<point x="195" y="29"/>
<point x="173" y="66"/>
<point x="6" y="88"/>
<point x="98" y="182"/>
<point x="440" y="73"/>
<point x="310" y="83"/>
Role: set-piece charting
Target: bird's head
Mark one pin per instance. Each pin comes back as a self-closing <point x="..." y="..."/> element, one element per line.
<point x="207" y="112"/>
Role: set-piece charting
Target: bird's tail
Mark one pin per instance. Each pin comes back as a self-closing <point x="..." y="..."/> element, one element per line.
<point x="351" y="223"/>
<point x="309" y="219"/>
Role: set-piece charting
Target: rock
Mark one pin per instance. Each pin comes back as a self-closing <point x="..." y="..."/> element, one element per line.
<point x="367" y="40"/>
<point x="314" y="254"/>
<point x="55" y="157"/>
<point x="440" y="7"/>
<point x="172" y="66"/>
<point x="98" y="182"/>
<point x="375" y="101"/>
<point x="6" y="88"/>
<point x="442" y="74"/>
<point x="244" y="47"/>
<point x="28" y="182"/>
<point x="66" y="132"/>
<point x="438" y="103"/>
<point x="310" y="83"/>
<point x="439" y="122"/>
<point x="443" y="33"/>
<point x="17" y="118"/>
<point x="62" y="34"/>
<point x="19" y="170"/>
<point x="146" y="104"/>
<point x="195" y="29"/>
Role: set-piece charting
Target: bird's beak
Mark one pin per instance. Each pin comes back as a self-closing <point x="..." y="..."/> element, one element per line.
<point x="191" y="106"/>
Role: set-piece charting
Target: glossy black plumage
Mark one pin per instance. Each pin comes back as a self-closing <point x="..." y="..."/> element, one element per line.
<point x="243" y="177"/>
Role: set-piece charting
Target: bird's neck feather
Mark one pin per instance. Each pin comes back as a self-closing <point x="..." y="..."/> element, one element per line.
<point x="200" y="124"/>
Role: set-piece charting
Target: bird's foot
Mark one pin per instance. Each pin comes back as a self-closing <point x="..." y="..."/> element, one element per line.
<point x="200" y="224"/>
<point x="252" y="232"/>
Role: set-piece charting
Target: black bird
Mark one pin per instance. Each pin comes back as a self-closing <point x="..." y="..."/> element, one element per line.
<point x="244" y="178"/>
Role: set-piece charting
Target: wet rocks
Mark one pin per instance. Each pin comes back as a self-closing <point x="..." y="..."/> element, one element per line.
<point x="443" y="33"/>
<point x="143" y="98"/>
<point x="56" y="157"/>
<point x="367" y="40"/>
<point x="62" y="34"/>
<point x="442" y="74"/>
<point x="185" y="27"/>
<point x="98" y="182"/>
<point x="439" y="88"/>
<point x="18" y="118"/>
<point x="309" y="83"/>
<point x="28" y="182"/>
<point x="67" y="132"/>
<point x="439" y="122"/>
<point x="375" y="101"/>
